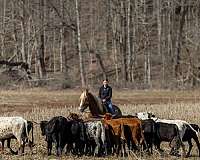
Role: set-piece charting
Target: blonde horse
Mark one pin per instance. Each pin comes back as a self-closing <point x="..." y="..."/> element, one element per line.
<point x="95" y="105"/>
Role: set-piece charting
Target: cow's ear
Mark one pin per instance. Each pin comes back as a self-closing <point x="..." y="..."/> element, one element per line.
<point x="149" y="115"/>
<point x="82" y="90"/>
<point x="86" y="90"/>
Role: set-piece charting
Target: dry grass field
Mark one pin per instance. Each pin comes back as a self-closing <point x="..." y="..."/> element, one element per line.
<point x="40" y="104"/>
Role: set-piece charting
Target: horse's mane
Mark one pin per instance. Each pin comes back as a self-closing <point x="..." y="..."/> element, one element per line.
<point x="98" y="102"/>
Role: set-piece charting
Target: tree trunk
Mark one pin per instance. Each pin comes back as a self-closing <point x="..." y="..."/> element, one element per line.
<point x="30" y="44"/>
<point x="15" y="37"/>
<point x="3" y="29"/>
<point x="179" y="38"/>
<point x="123" y="41"/>
<point x="54" y="51"/>
<point x="82" y="71"/>
<point x="40" y="56"/>
<point x="114" y="46"/>
<point x="108" y="29"/>
<point x="129" y="53"/>
<point x="147" y="64"/>
<point x="62" y="39"/>
<point x="23" y="29"/>
<point x="158" y="7"/>
<point x="159" y="47"/>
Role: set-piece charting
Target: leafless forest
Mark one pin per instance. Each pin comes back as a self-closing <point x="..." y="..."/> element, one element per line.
<point x="134" y="43"/>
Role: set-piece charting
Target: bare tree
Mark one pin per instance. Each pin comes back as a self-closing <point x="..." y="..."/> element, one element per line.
<point x="81" y="65"/>
<point x="62" y="39"/>
<point x="3" y="29"/>
<point x="41" y="42"/>
<point x="129" y="51"/>
<point x="23" y="29"/>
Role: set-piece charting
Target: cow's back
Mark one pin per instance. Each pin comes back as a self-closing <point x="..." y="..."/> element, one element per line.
<point x="166" y="132"/>
<point x="11" y="126"/>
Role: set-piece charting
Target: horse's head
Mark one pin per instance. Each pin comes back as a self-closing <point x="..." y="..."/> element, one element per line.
<point x="84" y="101"/>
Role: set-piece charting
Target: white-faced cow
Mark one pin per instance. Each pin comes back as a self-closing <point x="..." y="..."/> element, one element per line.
<point x="15" y="127"/>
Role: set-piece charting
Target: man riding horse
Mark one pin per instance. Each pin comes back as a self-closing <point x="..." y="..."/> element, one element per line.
<point x="105" y="94"/>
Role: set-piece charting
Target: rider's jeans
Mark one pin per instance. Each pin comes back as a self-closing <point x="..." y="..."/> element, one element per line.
<point x="109" y="106"/>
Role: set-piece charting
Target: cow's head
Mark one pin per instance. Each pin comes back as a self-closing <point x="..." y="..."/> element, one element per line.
<point x="74" y="116"/>
<point x="107" y="116"/>
<point x="195" y="127"/>
<point x="144" y="115"/>
<point x="42" y="127"/>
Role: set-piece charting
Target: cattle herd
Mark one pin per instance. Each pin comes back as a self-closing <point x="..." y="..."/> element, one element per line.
<point x="103" y="136"/>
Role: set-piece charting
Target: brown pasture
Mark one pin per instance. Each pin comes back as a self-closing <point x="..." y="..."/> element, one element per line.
<point x="40" y="104"/>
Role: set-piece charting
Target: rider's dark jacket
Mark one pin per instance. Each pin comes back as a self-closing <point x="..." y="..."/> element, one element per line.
<point x="105" y="93"/>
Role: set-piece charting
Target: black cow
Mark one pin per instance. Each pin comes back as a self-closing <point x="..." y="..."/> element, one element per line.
<point x="168" y="133"/>
<point x="78" y="137"/>
<point x="149" y="129"/>
<point x="55" y="130"/>
<point x="191" y="134"/>
<point x="61" y="131"/>
<point x="24" y="136"/>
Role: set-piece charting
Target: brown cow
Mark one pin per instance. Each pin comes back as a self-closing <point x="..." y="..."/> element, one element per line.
<point x="115" y="134"/>
<point x="120" y="126"/>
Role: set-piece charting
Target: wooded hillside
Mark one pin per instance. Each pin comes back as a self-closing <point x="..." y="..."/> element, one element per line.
<point x="134" y="43"/>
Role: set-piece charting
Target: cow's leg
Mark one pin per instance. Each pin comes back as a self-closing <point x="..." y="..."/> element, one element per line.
<point x="2" y="143"/>
<point x="197" y="142"/>
<point x="58" y="145"/>
<point x="8" y="145"/>
<point x="81" y="147"/>
<point x="98" y="145"/>
<point x="69" y="148"/>
<point x="190" y="148"/>
<point x="49" y="147"/>
<point x="136" y="143"/>
<point x="23" y="145"/>
<point x="148" y="144"/>
<point x="158" y="146"/>
<point x="21" y="149"/>
<point x="118" y="146"/>
<point x="123" y="148"/>
<point x="183" y="147"/>
<point x="105" y="148"/>
<point x="175" y="144"/>
<point x="31" y="145"/>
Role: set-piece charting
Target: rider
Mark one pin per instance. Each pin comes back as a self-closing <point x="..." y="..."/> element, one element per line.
<point x="105" y="94"/>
